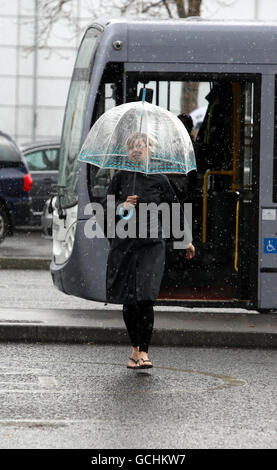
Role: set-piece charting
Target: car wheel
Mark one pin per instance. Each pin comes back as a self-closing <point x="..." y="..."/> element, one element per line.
<point x="3" y="223"/>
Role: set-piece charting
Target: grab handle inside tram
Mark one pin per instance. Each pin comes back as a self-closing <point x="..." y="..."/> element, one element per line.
<point x="205" y="196"/>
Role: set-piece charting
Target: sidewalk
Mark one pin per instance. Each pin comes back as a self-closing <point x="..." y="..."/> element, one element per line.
<point x="171" y="328"/>
<point x="26" y="249"/>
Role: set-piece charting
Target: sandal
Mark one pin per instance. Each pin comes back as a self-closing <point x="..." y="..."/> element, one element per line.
<point x="135" y="361"/>
<point x="145" y="366"/>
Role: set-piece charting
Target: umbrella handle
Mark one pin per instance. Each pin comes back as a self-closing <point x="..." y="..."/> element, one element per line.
<point x="121" y="212"/>
<point x="143" y="94"/>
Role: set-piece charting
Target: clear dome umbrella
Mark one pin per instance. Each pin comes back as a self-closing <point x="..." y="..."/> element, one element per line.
<point x="116" y="138"/>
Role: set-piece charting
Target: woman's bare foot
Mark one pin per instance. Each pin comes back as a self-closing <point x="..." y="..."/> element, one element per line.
<point x="133" y="362"/>
<point x="144" y="360"/>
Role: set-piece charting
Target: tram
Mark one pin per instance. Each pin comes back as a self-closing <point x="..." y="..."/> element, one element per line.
<point x="233" y="67"/>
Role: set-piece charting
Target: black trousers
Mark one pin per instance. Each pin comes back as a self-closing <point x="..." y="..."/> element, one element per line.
<point x="139" y="321"/>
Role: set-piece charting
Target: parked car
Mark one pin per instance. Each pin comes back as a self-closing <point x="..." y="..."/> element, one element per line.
<point x="43" y="162"/>
<point x="15" y="187"/>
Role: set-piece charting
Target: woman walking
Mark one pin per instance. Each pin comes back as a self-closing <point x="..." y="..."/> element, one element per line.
<point x="135" y="266"/>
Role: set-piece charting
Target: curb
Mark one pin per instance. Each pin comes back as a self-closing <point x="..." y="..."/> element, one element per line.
<point x="161" y="337"/>
<point x="25" y="263"/>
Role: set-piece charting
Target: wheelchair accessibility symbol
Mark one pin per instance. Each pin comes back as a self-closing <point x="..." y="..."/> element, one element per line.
<point x="270" y="245"/>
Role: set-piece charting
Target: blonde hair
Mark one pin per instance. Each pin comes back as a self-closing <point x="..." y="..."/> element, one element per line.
<point x="140" y="136"/>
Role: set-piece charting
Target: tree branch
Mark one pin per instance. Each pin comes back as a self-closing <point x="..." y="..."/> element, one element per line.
<point x="146" y="8"/>
<point x="53" y="11"/>
<point x="167" y="8"/>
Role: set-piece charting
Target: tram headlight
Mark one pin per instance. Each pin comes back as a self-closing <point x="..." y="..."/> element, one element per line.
<point x="69" y="241"/>
<point x="64" y="234"/>
<point x="62" y="249"/>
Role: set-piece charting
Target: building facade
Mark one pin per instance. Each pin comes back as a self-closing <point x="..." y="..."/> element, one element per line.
<point x="34" y="77"/>
<point x="35" y="74"/>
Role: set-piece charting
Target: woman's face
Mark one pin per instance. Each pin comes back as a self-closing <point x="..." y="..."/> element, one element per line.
<point x="138" y="152"/>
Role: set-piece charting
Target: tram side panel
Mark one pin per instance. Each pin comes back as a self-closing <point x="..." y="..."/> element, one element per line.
<point x="269" y="259"/>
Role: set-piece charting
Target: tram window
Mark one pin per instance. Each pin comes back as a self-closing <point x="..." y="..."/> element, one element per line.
<point x="222" y="110"/>
<point x="74" y="116"/>
<point x="179" y="96"/>
<point x="248" y="107"/>
<point x="110" y="99"/>
<point x="110" y="94"/>
<point x="275" y="148"/>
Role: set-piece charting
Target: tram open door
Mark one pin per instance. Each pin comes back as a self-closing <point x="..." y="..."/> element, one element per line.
<point x="224" y="204"/>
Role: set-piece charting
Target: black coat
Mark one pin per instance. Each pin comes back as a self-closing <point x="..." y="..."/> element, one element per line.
<point x="135" y="266"/>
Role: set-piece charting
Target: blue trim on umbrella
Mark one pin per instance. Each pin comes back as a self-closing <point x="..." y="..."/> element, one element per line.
<point x="157" y="165"/>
